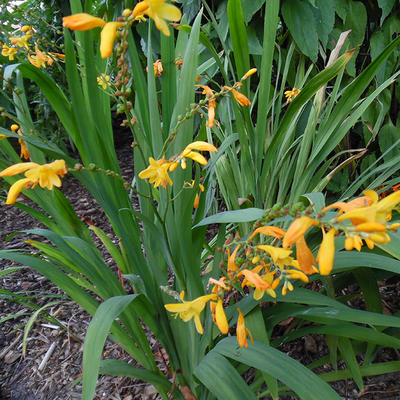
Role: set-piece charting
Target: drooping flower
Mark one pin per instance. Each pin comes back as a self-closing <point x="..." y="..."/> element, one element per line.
<point x="211" y="104"/>
<point x="191" y="309"/>
<point x="24" y="150"/>
<point x="198" y="145"/>
<point x="157" y="172"/>
<point x="305" y="256"/>
<point x="219" y="316"/>
<point x="242" y="331"/>
<point x="46" y="176"/>
<point x="364" y="201"/>
<point x="268" y="231"/>
<point x="158" y="11"/>
<point x="291" y="94"/>
<point x="84" y="22"/>
<point x="9" y="52"/>
<point x="326" y="253"/>
<point x="239" y="97"/>
<point x="297" y="229"/>
<point x="232" y="267"/>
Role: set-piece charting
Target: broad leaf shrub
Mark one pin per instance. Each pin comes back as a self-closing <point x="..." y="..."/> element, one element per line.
<point x="194" y="133"/>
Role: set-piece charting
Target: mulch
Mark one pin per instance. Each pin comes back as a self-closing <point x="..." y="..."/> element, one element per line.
<point x="51" y="369"/>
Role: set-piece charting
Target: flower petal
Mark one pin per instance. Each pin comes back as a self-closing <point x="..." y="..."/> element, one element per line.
<point x="108" y="35"/>
<point x="18" y="168"/>
<point x="15" y="190"/>
<point x="82" y="22"/>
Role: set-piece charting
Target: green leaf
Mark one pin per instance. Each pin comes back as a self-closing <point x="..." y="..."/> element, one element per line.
<point x="221" y="378"/>
<point x="95" y="338"/>
<point x="250" y="8"/>
<point x="300" y="379"/>
<point x="238" y="34"/>
<point x="324" y="14"/>
<point x="246" y="215"/>
<point x="386" y="6"/>
<point x="349" y="357"/>
<point x="317" y="201"/>
<point x="120" y="368"/>
<point x="299" y="17"/>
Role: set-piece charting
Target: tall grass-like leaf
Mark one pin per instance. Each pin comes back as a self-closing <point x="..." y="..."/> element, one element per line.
<point x="222" y="379"/>
<point x="238" y="34"/>
<point x="95" y="339"/>
<point x="301" y="380"/>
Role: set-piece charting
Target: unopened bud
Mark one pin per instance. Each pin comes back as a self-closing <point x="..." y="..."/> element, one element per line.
<point x="127" y="12"/>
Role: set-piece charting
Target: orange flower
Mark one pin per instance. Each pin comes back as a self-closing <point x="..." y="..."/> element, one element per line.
<point x="242" y="331"/>
<point x="211" y="104"/>
<point x="269" y="231"/>
<point x="239" y="97"/>
<point x="84" y="22"/>
<point x="297" y="229"/>
<point x="305" y="257"/>
<point x="232" y="267"/>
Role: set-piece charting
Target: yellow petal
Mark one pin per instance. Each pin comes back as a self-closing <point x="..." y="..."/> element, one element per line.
<point x="169" y="12"/>
<point x="197" y="157"/>
<point x="15" y="190"/>
<point x="199" y="326"/>
<point x="201" y="146"/>
<point x="220" y="318"/>
<point x="326" y="253"/>
<point x="161" y="26"/>
<point x="18" y="168"/>
<point x="82" y="22"/>
<point x="140" y="9"/>
<point x="108" y="35"/>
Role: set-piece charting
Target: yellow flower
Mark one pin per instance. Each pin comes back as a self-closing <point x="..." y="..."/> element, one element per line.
<point x="358" y="202"/>
<point x="158" y="68"/>
<point x="211" y="104"/>
<point x="191" y="309"/>
<point x="232" y="267"/>
<point x="158" y="11"/>
<point x="242" y="331"/>
<point x="239" y="97"/>
<point x="297" y="229"/>
<point x="24" y="150"/>
<point x="9" y="52"/>
<point x="326" y="253"/>
<point x="279" y="255"/>
<point x="157" y="172"/>
<point x="46" y="176"/>
<point x="20" y="41"/>
<point x="40" y="59"/>
<point x="261" y="284"/>
<point x="84" y="22"/>
<point x="201" y="146"/>
<point x="378" y="212"/>
<point x="219" y="316"/>
<point x="291" y="94"/>
<point x="104" y="81"/>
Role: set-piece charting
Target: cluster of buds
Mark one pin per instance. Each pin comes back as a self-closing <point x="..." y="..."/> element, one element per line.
<point x="264" y="260"/>
<point x="123" y="78"/>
